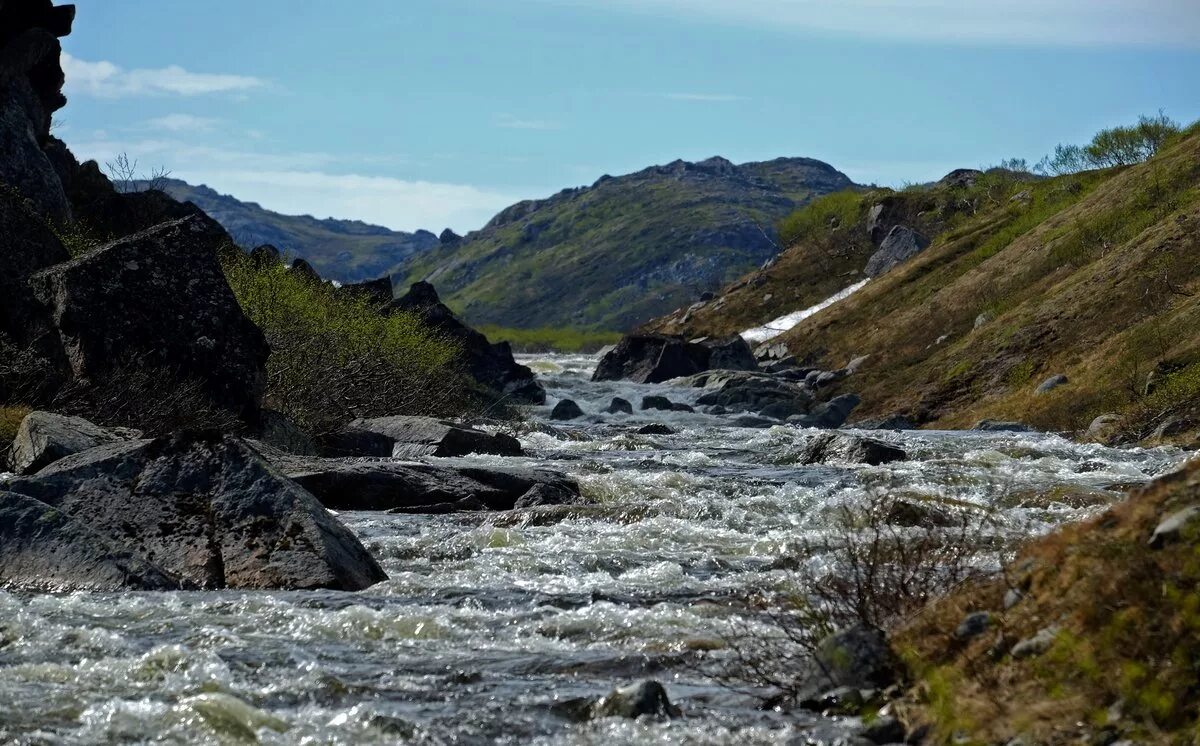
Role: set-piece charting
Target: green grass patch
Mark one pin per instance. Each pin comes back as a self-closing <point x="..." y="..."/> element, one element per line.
<point x="816" y="220"/>
<point x="549" y="339"/>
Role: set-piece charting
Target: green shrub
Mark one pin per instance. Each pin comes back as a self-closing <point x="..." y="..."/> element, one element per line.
<point x="550" y="339"/>
<point x="334" y="357"/>
<point x="816" y="220"/>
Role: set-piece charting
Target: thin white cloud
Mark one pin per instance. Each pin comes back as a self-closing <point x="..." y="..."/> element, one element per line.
<point x="107" y="80"/>
<point x="183" y="123"/>
<point x="1056" y="23"/>
<point x="710" y="98"/>
<point x="508" y="121"/>
<point x="305" y="184"/>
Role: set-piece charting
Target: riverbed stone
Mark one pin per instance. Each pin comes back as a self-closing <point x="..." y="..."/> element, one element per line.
<point x="1002" y="426"/>
<point x="620" y="406"/>
<point x="643" y="699"/>
<point x="414" y="437"/>
<point x="1104" y="427"/>
<point x="46" y="437"/>
<point x="857" y="657"/>
<point x="890" y="422"/>
<point x="205" y="510"/>
<point x="565" y="411"/>
<point x="385" y="484"/>
<point x="841" y="448"/>
<point x="657" y="403"/>
<point x="655" y="429"/>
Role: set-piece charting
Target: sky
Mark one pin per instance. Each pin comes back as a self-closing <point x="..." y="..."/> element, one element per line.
<point x="440" y="113"/>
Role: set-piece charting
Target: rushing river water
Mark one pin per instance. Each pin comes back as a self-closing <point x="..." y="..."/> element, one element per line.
<point x="487" y="622"/>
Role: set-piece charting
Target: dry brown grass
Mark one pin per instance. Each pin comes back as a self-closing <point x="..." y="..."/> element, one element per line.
<point x="1129" y="620"/>
<point x="10" y="421"/>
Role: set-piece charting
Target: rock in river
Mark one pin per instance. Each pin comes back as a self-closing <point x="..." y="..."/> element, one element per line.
<point x="45" y="437"/>
<point x="565" y="411"/>
<point x="412" y="437"/>
<point x="840" y="448"/>
<point x="199" y="509"/>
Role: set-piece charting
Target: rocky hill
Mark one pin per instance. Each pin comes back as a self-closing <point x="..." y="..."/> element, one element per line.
<point x="342" y="250"/>
<point x="1058" y="302"/>
<point x="612" y="255"/>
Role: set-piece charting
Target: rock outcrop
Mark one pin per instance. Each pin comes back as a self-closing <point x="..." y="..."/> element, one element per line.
<point x="654" y="358"/>
<point x="901" y="244"/>
<point x="492" y="365"/>
<point x="414" y="437"/>
<point x="158" y="299"/>
<point x="45" y="437"/>
<point x="202" y="510"/>
<point x="31" y="81"/>
<point x="838" y="448"/>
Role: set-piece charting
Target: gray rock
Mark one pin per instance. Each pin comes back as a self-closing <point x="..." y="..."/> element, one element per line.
<point x="1052" y="383"/>
<point x="1000" y="426"/>
<point x="644" y="699"/>
<point x="566" y="410"/>
<point x="913" y="514"/>
<point x="1170" y="427"/>
<point x="1012" y="597"/>
<point x="680" y="407"/>
<point x="752" y="392"/>
<point x="202" y="509"/>
<point x="782" y="410"/>
<point x="891" y="422"/>
<point x="849" y="449"/>
<point x="158" y="299"/>
<point x="279" y="431"/>
<point x="960" y="178"/>
<point x="45" y="437"/>
<point x="646" y="358"/>
<point x="752" y="422"/>
<point x="729" y="353"/>
<point x="620" y="406"/>
<point x="655" y="429"/>
<point x="885" y="730"/>
<point x="973" y="625"/>
<point x="1179" y="525"/>
<point x="902" y="243"/>
<point x="1036" y="645"/>
<point x="1102" y="427"/>
<point x="858" y="657"/>
<point x="658" y="403"/>
<point x="834" y="413"/>
<point x="843" y="700"/>
<point x="414" y="437"/>
<point x="359" y="484"/>
<point x="984" y="319"/>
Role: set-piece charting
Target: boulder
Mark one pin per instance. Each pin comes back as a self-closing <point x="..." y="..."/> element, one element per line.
<point x="834" y="413"/>
<point x="911" y="514"/>
<point x="753" y="392"/>
<point x="45" y="437"/>
<point x="354" y="484"/>
<point x="644" y="699"/>
<point x="901" y="244"/>
<point x="566" y="410"/>
<point x="266" y="255"/>
<point x="492" y="365"/>
<point x="890" y="422"/>
<point x="973" y="625"/>
<point x="652" y="358"/>
<point x="42" y="549"/>
<point x="158" y="300"/>
<point x="753" y="422"/>
<point x="620" y="406"/>
<point x="305" y="270"/>
<point x="413" y="437"/>
<point x="377" y="292"/>
<point x="850" y="449"/>
<point x="730" y="353"/>
<point x="655" y="429"/>
<point x="449" y="238"/>
<point x="960" y="178"/>
<point x="1052" y="383"/>
<point x="277" y="430"/>
<point x="984" y="319"/>
<point x="1036" y="645"/>
<point x="1104" y="427"/>
<point x="1001" y="426"/>
<point x="657" y="403"/>
<point x="858" y="657"/>
<point x="204" y="510"/>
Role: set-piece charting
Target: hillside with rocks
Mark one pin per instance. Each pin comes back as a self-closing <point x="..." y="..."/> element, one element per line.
<point x="341" y="250"/>
<point x="628" y="248"/>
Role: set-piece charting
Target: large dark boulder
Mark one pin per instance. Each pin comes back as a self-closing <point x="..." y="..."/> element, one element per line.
<point x="492" y="365"/>
<point x="413" y="437"/>
<point x="158" y="300"/>
<point x="730" y="353"/>
<point x="858" y="657"/>
<point x="829" y="415"/>
<point x="838" y="448"/>
<point x="565" y="411"/>
<point x="31" y="81"/>
<point x="204" y="510"/>
<point x="345" y="484"/>
<point x="378" y="292"/>
<point x="901" y="244"/>
<point x="46" y="437"/>
<point x="652" y="358"/>
<point x="754" y="392"/>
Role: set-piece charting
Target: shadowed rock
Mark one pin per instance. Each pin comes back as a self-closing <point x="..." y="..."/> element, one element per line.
<point x="565" y="411"/>
<point x="849" y="449"/>
<point x="204" y="510"/>
<point x="413" y="437"/>
<point x="45" y="437"/>
<point x="901" y="244"/>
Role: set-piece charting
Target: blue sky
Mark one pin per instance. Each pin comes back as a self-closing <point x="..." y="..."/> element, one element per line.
<point x="434" y="113"/>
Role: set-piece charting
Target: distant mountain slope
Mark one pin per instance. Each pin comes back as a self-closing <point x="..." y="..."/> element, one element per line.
<point x="343" y="250"/>
<point x="626" y="249"/>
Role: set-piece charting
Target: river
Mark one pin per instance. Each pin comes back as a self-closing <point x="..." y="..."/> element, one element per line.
<point x="488" y="622"/>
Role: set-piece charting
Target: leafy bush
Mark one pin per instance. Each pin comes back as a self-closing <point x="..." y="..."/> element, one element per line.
<point x="334" y="357"/>
<point x="550" y="339"/>
<point x="818" y="219"/>
<point x="1116" y="146"/>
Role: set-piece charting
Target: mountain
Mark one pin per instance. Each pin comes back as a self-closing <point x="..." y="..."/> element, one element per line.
<point x="343" y="250"/>
<point x="628" y="248"/>
<point x="1054" y="302"/>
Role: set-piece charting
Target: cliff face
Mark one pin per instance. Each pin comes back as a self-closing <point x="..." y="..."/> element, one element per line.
<point x="625" y="249"/>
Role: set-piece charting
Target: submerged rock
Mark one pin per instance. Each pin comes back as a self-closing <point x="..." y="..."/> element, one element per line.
<point x="849" y="449"/>
<point x="620" y="406"/>
<point x="657" y="403"/>
<point x="565" y="411"/>
<point x="412" y="437"/>
<point x="45" y="437"/>
<point x="204" y="510"/>
<point x="891" y="422"/>
<point x="644" y="699"/>
<point x="655" y="429"/>
<point x="1000" y="426"/>
<point x="354" y="484"/>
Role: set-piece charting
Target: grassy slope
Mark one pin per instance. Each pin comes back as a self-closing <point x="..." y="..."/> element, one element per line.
<point x="1123" y="662"/>
<point x="613" y="255"/>
<point x="343" y="250"/>
<point x="1095" y="278"/>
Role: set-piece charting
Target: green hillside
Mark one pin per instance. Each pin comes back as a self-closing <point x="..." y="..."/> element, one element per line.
<point x="611" y="256"/>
